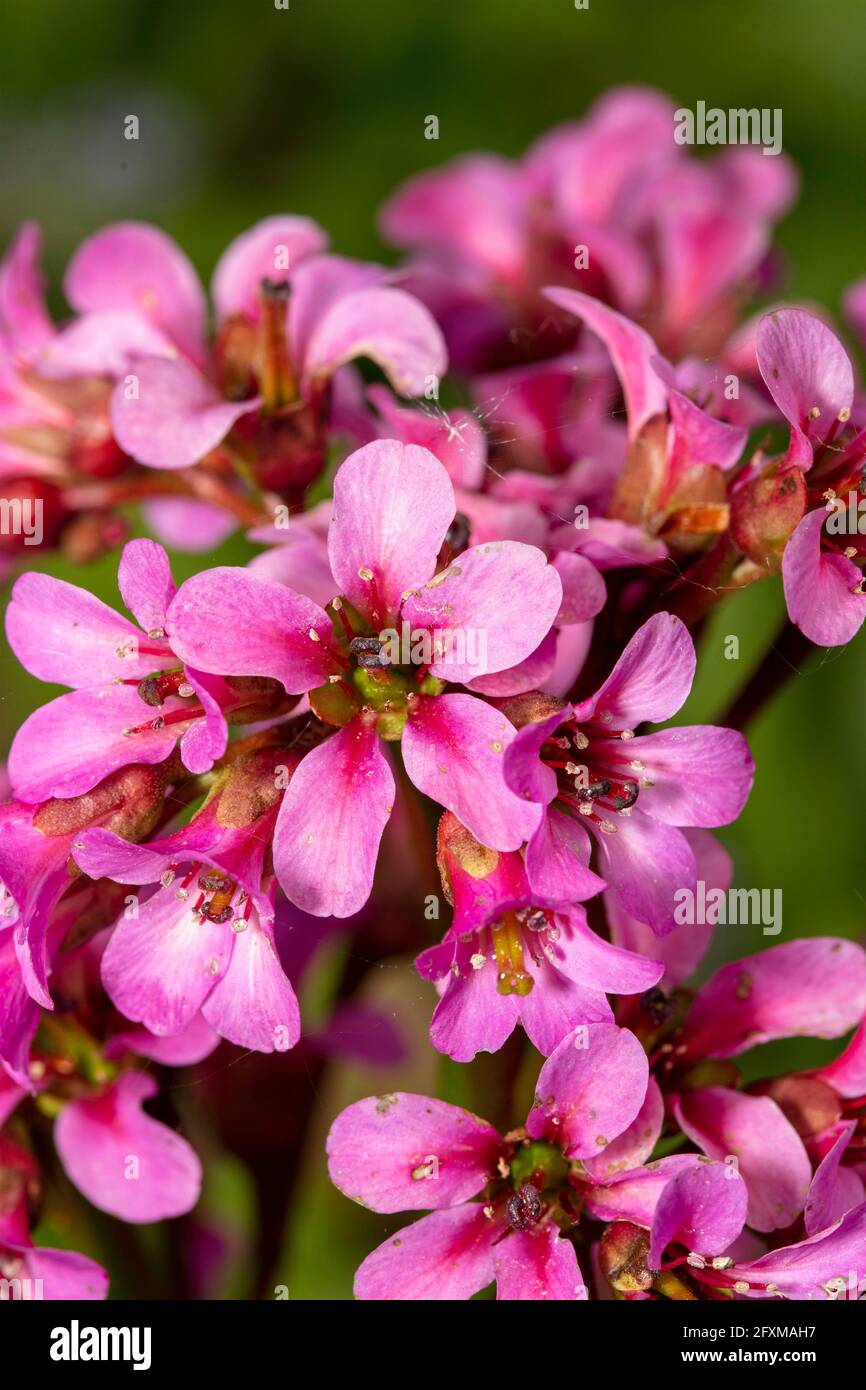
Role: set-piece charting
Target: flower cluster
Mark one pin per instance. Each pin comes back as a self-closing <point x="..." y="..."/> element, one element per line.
<point x="436" y="684"/>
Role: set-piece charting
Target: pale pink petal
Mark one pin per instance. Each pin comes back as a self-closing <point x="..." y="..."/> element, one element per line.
<point x="270" y="250"/>
<point x="233" y="623"/>
<point x="330" y="823"/>
<point x="538" y="1266"/>
<point x="814" y="987"/>
<point x="589" y="1090"/>
<point x="402" y="1152"/>
<point x="702" y="1208"/>
<point x="24" y="320"/>
<point x="452" y="750"/>
<point x="124" y="1162"/>
<point x="821" y="586"/>
<point x="387" y="325"/>
<point x="806" y="369"/>
<point x="768" y="1151"/>
<point x="197" y="1041"/>
<point x="647" y="864"/>
<point x="583" y="591"/>
<point x="183" y="523"/>
<point x="700" y="774"/>
<point x="393" y="504"/>
<point x="132" y="265"/>
<point x="499" y="601"/>
<point x="253" y="1005"/>
<point x="174" y="416"/>
<point x="104" y="344"/>
<point x="445" y="1257"/>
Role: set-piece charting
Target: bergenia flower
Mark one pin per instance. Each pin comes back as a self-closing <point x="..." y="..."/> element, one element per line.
<point x="393" y="507"/>
<point x="584" y="765"/>
<point x="132" y="698"/>
<point x="803" y="501"/>
<point x="510" y="956"/>
<point x="501" y="1208"/>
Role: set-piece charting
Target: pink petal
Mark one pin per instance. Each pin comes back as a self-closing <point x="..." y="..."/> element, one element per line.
<point x="205" y="739"/>
<point x="24" y="320"/>
<point x="651" y="679"/>
<point x="538" y="1266"/>
<point x="452" y="750"/>
<point x="455" y="437"/>
<point x="132" y="265"/>
<point x="197" y="1041"/>
<point x="820" y="586"/>
<point x="145" y="583"/>
<point x="702" y="1208"/>
<point x="404" y="1152"/>
<point x="634" y="1194"/>
<point x="230" y="622"/>
<point x="64" y="634"/>
<point x="697" y="438"/>
<point x="67" y="1276"/>
<point x="557" y="859"/>
<point x="176" y="417"/>
<point x="647" y="864"/>
<point x="104" y="344"/>
<point x="445" y="1257"/>
<point x="700" y="775"/>
<point x="393" y="504"/>
<point x="19" y="1014"/>
<point x="532" y="673"/>
<point x="705" y="248"/>
<point x="301" y="565"/>
<point x="633" y="1147"/>
<point x="390" y="327"/>
<point x="805" y="368"/>
<point x="504" y="595"/>
<point x="330" y="823"/>
<point x="253" y="1005"/>
<point x="769" y="1152"/>
<point x="471" y="1017"/>
<point x="97" y="1139"/>
<point x="183" y="523"/>
<point x="631" y="351"/>
<point x="587" y="1095"/>
<point x="847" y="1074"/>
<point x="834" y="1190"/>
<point x="159" y="967"/>
<point x="268" y="251"/>
<point x="589" y="960"/>
<point x="583" y="591"/>
<point x="801" y="1271"/>
<point x="814" y="987"/>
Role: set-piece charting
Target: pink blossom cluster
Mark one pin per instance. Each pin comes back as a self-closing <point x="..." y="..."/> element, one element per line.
<point x="456" y="650"/>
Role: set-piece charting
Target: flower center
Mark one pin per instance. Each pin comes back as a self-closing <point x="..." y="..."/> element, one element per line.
<point x="595" y="783"/>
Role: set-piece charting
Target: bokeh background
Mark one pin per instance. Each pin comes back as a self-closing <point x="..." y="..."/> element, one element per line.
<point x="246" y="109"/>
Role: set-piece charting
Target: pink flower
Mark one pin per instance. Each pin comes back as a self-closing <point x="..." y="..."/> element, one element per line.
<point x="809" y="375"/>
<point x="405" y="1152"/>
<point x="43" y="1273"/>
<point x="510" y="956"/>
<point x="203" y="941"/>
<point x="132" y="699"/>
<point x="585" y="767"/>
<point x="393" y="506"/>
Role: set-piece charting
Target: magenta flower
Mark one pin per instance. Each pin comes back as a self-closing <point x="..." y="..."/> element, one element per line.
<point x="809" y="375"/>
<point x="403" y="1152"/>
<point x="511" y="957"/>
<point x="132" y="699"/>
<point x="203" y="941"/>
<point x="43" y="1273"/>
<point x="393" y="506"/>
<point x="585" y="767"/>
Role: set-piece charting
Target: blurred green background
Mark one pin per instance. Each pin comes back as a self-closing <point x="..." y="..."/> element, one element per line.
<point x="246" y="109"/>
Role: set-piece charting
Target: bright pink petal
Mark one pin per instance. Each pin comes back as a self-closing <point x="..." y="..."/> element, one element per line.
<point x="538" y="1266"/>
<point x="702" y="1208"/>
<point x="814" y="987"/>
<point x="452" y="749"/>
<point x="847" y="1074"/>
<point x="390" y="327"/>
<point x="769" y="1153"/>
<point x="268" y="251"/>
<point x="651" y="679"/>
<point x="124" y="1162"/>
<point x="230" y="622"/>
<point x="583" y="591"/>
<point x="589" y="1090"/>
<point x="253" y="1005"/>
<point x="132" y="265"/>
<point x="557" y="859"/>
<point x="404" y="1152"/>
<point x="175" y="416"/>
<point x="67" y="1276"/>
<point x="393" y="504"/>
<point x="802" y="1271"/>
<point x="197" y="1041"/>
<point x="503" y="596"/>
<point x="834" y="1190"/>
<point x="633" y="1147"/>
<point x="634" y="1194"/>
<point x="445" y="1257"/>
<point x="806" y="370"/>
<point x="330" y="823"/>
<point x="700" y="775"/>
<point x="631" y="351"/>
<point x="821" y="586"/>
<point x="145" y="583"/>
<point x="64" y="634"/>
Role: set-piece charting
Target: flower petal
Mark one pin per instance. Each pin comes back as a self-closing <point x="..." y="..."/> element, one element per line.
<point x="834" y="1190"/>
<point x="821" y="586"/>
<point x="390" y="327"/>
<point x="175" y="416"/>
<point x="589" y="1090"/>
<point x="253" y="1005"/>
<point x="268" y="251"/>
<point x="444" y="1257"/>
<point x="651" y="679"/>
<point x="805" y="369"/>
<point x="700" y="775"/>
<point x="145" y="583"/>
<point x="537" y="1266"/>
<point x="702" y="1208"/>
